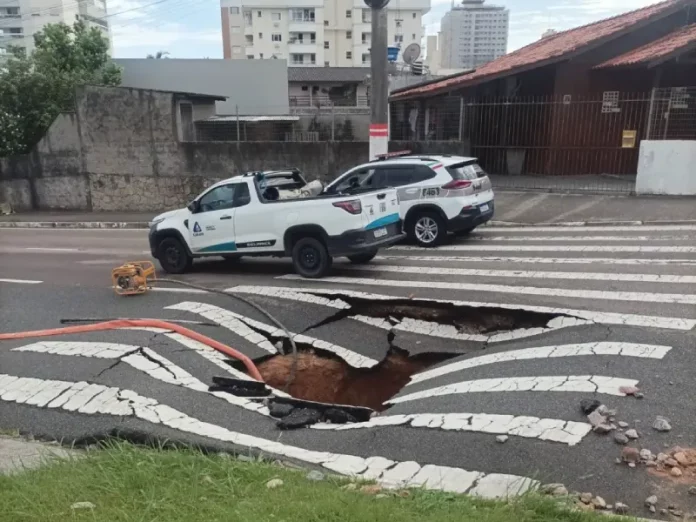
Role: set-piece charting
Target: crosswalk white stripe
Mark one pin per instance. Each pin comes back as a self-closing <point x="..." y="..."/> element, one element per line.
<point x="541" y="260"/>
<point x="502" y="289"/>
<point x="555" y="430"/>
<point x="556" y="248"/>
<point x="647" y="351"/>
<point x="580" y="228"/>
<point x="556" y="383"/>
<point x="123" y="402"/>
<point x="527" y="274"/>
<point x="575" y="238"/>
<point x="315" y="296"/>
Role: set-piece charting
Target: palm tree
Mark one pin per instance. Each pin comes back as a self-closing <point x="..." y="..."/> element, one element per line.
<point x="158" y="56"/>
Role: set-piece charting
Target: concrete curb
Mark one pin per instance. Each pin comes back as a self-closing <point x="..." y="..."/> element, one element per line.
<point x="75" y="224"/>
<point x="580" y="224"/>
<point x="139" y="225"/>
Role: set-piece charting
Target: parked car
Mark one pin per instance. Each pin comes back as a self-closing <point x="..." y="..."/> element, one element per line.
<point x="437" y="193"/>
<point x="277" y="214"/>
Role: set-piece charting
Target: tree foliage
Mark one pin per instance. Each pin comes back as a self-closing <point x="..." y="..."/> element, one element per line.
<point x="36" y="87"/>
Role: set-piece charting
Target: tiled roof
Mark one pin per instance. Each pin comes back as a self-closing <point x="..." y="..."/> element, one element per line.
<point x="551" y="49"/>
<point x="662" y="48"/>
<point x="328" y="74"/>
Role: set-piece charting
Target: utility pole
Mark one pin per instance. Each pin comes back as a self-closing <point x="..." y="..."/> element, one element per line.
<point x="379" y="80"/>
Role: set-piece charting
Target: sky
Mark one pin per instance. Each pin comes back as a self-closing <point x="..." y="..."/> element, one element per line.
<point x="191" y="28"/>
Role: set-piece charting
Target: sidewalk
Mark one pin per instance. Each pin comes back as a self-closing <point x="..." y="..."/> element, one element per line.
<point x="18" y="454"/>
<point x="512" y="207"/>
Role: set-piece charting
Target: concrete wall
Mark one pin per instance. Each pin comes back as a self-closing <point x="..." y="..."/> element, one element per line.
<point x="257" y="87"/>
<point x="120" y="152"/>
<point x="667" y="167"/>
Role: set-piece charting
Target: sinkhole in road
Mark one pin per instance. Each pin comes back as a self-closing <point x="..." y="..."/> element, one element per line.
<point x="324" y="377"/>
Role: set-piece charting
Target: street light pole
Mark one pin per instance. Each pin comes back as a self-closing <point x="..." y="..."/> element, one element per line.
<point x="379" y="80"/>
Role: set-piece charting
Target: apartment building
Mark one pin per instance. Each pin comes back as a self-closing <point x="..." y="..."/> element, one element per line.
<point x="20" y="19"/>
<point x="335" y="33"/>
<point x="473" y="34"/>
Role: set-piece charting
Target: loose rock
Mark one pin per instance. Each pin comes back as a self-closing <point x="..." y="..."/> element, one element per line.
<point x="651" y="464"/>
<point x="82" y="505"/>
<point x="631" y="464"/>
<point x="623" y="425"/>
<point x="652" y="509"/>
<point x="502" y="438"/>
<point x="646" y="454"/>
<point x="280" y="410"/>
<point x="681" y="458"/>
<point x="632" y="434"/>
<point x="603" y="429"/>
<point x="620" y="438"/>
<point x="662" y="457"/>
<point x="556" y="490"/>
<point x="315" y="475"/>
<point x="587" y="406"/>
<point x="274" y="483"/>
<point x="629" y="390"/>
<point x="676" y="472"/>
<point x="586" y="498"/>
<point x="651" y="500"/>
<point x="620" y="508"/>
<point x="671" y="462"/>
<point x="245" y="458"/>
<point x="585" y="507"/>
<point x="692" y="490"/>
<point x="599" y="503"/>
<point x="351" y="486"/>
<point x="604" y="410"/>
<point x="630" y="455"/>
<point x="663" y="511"/>
<point x="596" y="418"/>
<point x="662" y="424"/>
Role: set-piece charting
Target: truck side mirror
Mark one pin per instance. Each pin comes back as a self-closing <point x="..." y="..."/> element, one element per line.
<point x="194" y="207"/>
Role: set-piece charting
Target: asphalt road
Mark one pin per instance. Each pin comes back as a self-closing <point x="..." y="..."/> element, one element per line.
<point x="539" y="319"/>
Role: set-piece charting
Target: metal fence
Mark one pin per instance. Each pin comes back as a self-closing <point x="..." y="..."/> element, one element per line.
<point x="575" y="143"/>
<point x="326" y="100"/>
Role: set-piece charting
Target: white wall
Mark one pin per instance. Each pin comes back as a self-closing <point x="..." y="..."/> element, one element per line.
<point x="667" y="167"/>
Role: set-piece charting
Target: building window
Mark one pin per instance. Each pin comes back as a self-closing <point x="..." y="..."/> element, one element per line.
<point x="398" y="38"/>
<point x="398" y="23"/>
<point x="261" y="55"/>
<point x="303" y="15"/>
<point x="366" y="37"/>
<point x="366" y="59"/>
<point x="326" y="64"/>
<point x="313" y="58"/>
<point x="247" y="17"/>
<point x="326" y="23"/>
<point x="258" y="14"/>
<point x="275" y="17"/>
<point x="305" y="87"/>
<point x="249" y="39"/>
<point x="349" y="35"/>
<point x="235" y="29"/>
<point x="236" y="49"/>
<point x="414" y="15"/>
<point x="250" y="56"/>
<point x="276" y="37"/>
<point x="349" y="55"/>
<point x="234" y="10"/>
<point x="260" y="36"/>
<point x="349" y="13"/>
<point x="366" y="16"/>
<point x="297" y="59"/>
<point x="326" y="45"/>
<point x="413" y="36"/>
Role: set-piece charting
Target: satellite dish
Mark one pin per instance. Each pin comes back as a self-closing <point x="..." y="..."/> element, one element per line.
<point x="411" y="53"/>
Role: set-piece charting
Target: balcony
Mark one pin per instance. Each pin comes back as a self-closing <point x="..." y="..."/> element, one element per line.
<point x="299" y="104"/>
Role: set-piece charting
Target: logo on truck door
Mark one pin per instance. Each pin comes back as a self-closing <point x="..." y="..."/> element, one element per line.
<point x="197" y="230"/>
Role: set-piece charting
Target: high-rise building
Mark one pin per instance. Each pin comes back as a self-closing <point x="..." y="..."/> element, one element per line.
<point x="20" y="19"/>
<point x="334" y="33"/>
<point x="473" y="34"/>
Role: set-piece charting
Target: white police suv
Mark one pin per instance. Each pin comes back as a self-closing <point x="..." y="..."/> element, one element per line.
<point x="437" y="193"/>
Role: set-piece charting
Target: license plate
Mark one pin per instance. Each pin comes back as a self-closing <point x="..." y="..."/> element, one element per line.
<point x="484" y="208"/>
<point x="380" y="232"/>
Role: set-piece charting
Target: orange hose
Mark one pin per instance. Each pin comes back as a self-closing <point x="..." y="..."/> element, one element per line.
<point x="155" y="323"/>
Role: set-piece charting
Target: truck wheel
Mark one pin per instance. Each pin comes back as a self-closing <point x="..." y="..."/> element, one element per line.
<point x="311" y="258"/>
<point x="427" y="229"/>
<point x="361" y="259"/>
<point x="173" y="256"/>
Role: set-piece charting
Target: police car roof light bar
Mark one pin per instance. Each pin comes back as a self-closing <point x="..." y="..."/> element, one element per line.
<point x="396" y="154"/>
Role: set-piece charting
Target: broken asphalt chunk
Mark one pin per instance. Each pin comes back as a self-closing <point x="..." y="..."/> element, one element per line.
<point x="279" y="410"/>
<point x="662" y="424"/>
<point x="299" y="418"/>
<point x="587" y="406"/>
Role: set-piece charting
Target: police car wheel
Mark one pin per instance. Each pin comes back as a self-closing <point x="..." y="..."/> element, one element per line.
<point x="173" y="256"/>
<point x="427" y="229"/>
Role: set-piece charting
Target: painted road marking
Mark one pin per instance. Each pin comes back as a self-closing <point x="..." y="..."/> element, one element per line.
<point x="47" y="249"/>
<point x="581" y="228"/>
<point x="120" y="402"/>
<point x="527" y="274"/>
<point x="502" y="289"/>
<point x="556" y="383"/>
<point x="231" y="320"/>
<point x="556" y="248"/>
<point x="647" y="351"/>
<point x="142" y="359"/>
<point x="541" y="260"/>
<point x="575" y="238"/>
<point x="314" y="295"/>
<point x="554" y="430"/>
<point x="21" y="281"/>
<point x="178" y="290"/>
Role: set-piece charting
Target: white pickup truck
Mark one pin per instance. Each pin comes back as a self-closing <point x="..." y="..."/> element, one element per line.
<point x="274" y="213"/>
